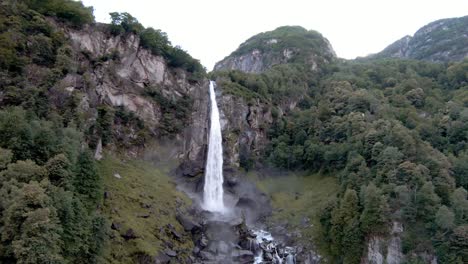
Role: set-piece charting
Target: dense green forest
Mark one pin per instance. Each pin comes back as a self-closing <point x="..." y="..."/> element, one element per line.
<point x="395" y="134"/>
<point x="50" y="187"/>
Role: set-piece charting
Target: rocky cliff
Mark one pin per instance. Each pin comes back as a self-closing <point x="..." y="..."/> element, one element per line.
<point x="283" y="45"/>
<point x="123" y="80"/>
<point x="440" y="41"/>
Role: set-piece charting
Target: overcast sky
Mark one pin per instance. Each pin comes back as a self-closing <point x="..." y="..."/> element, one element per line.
<point x="211" y="29"/>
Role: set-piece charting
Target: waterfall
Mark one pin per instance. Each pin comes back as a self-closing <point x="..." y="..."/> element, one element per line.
<point x="213" y="189"/>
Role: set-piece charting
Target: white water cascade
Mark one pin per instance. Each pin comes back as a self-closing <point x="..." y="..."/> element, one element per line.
<point x="213" y="189"/>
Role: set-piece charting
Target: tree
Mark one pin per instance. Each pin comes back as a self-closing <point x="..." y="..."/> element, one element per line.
<point x="459" y="242"/>
<point x="5" y="158"/>
<point x="460" y="170"/>
<point x="427" y="202"/>
<point x="59" y="171"/>
<point x="124" y="22"/>
<point x="375" y="216"/>
<point x="459" y="204"/>
<point x="31" y="228"/>
<point x="445" y="218"/>
<point x="155" y="40"/>
<point x="345" y="231"/>
<point x="87" y="181"/>
<point x="39" y="241"/>
<point x="70" y="11"/>
<point x="24" y="171"/>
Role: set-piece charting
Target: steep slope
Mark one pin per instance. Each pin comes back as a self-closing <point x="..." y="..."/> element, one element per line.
<point x="388" y="130"/>
<point x="69" y="88"/>
<point x="286" y="44"/>
<point x="440" y="41"/>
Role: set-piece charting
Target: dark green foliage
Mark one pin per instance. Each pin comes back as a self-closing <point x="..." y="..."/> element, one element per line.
<point x="124" y="22"/>
<point x="375" y="216"/>
<point x="346" y="235"/>
<point x="30" y="231"/>
<point x="460" y="170"/>
<point x="158" y="43"/>
<point x="398" y="124"/>
<point x="73" y="12"/>
<point x="175" y="111"/>
<point x="155" y="40"/>
<point x="87" y="181"/>
<point x="59" y="171"/>
<point x="104" y="124"/>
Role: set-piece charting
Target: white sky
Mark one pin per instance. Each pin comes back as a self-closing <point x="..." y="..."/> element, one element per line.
<point x="211" y="29"/>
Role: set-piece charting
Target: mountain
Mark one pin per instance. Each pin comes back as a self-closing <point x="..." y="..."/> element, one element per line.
<point x="286" y="44"/>
<point x="440" y="41"/>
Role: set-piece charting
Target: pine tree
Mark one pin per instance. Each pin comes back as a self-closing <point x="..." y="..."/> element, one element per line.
<point x="87" y="181"/>
<point x="345" y="231"/>
<point x="374" y="217"/>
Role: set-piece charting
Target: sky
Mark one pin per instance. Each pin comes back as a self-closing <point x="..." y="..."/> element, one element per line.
<point x="211" y="29"/>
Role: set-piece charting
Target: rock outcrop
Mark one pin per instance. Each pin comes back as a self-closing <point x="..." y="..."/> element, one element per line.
<point x="440" y="41"/>
<point x="115" y="71"/>
<point x="282" y="45"/>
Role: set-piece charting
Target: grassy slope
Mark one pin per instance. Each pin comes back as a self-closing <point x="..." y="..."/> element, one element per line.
<point x="141" y="185"/>
<point x="295" y="197"/>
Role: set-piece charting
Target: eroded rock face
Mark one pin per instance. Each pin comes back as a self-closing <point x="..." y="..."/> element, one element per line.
<point x="243" y="126"/>
<point x="378" y="246"/>
<point x="115" y="71"/>
<point x="254" y="62"/>
<point x="388" y="249"/>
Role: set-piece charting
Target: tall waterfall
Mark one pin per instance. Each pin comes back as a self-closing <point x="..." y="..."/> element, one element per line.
<point x="213" y="189"/>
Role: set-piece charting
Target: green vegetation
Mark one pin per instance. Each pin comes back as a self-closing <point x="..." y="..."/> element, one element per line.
<point x="278" y="85"/>
<point x="145" y="201"/>
<point x="176" y="111"/>
<point x="394" y="134"/>
<point x="49" y="191"/>
<point x="157" y="42"/>
<point x="69" y="11"/>
<point x="297" y="200"/>
<point x="303" y="42"/>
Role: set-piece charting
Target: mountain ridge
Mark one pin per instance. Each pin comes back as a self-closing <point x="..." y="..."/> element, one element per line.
<point x="442" y="40"/>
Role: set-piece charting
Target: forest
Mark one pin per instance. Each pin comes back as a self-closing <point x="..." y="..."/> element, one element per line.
<point x="393" y="132"/>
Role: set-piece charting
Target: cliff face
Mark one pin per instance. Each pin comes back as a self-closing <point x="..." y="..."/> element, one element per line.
<point x="440" y="41"/>
<point x="283" y="45"/>
<point x="122" y="80"/>
<point x="245" y="125"/>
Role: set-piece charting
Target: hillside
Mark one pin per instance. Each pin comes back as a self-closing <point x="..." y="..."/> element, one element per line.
<point x="390" y="131"/>
<point x="440" y="41"/>
<point x="69" y="89"/>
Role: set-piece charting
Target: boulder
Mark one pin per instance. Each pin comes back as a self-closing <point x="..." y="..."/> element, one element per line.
<point x="188" y="224"/>
<point x="196" y="250"/>
<point x="162" y="259"/>
<point x="130" y="234"/>
<point x="169" y="252"/>
<point x="205" y="255"/>
<point x="245" y="202"/>
<point x="115" y="226"/>
<point x="242" y="255"/>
